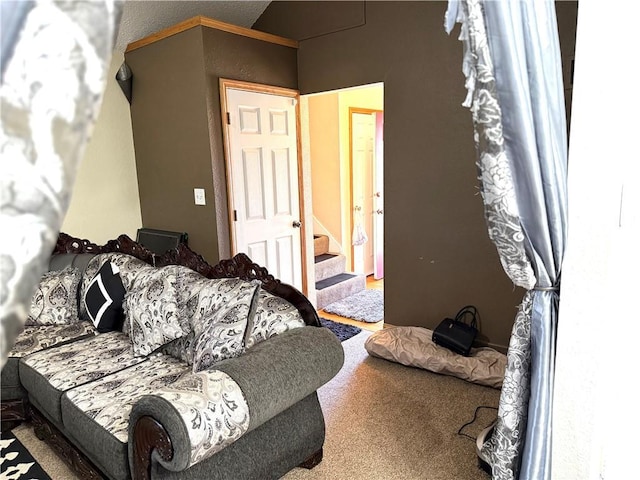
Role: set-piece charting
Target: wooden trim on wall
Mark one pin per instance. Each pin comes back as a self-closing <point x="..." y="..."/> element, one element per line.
<point x="301" y="204"/>
<point x="227" y="162"/>
<point x="225" y="84"/>
<point x="211" y="23"/>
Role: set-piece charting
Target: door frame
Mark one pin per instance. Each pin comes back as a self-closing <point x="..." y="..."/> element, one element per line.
<point x="226" y="83"/>
<point x="352" y="110"/>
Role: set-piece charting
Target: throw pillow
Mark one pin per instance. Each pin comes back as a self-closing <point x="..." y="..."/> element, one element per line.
<point x="55" y="301"/>
<point x="103" y="300"/>
<point x="153" y="310"/>
<point x="274" y="315"/>
<point x="127" y="265"/>
<point x="220" y="322"/>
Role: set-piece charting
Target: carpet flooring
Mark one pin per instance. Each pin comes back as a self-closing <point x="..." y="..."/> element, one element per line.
<point x="342" y="331"/>
<point x="384" y="421"/>
<point x="366" y="306"/>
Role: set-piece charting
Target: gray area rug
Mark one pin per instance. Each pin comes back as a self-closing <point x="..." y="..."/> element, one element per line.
<point x="340" y="330"/>
<point x="366" y="306"/>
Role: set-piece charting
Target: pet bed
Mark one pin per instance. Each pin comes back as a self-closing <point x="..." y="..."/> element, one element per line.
<point x="413" y="347"/>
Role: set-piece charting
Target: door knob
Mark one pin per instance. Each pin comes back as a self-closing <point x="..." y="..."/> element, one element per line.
<point x="297" y="224"/>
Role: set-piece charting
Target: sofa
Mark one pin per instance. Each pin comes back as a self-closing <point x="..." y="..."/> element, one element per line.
<point x="138" y="365"/>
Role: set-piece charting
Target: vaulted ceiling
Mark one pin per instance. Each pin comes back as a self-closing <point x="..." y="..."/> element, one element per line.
<point x="144" y="17"/>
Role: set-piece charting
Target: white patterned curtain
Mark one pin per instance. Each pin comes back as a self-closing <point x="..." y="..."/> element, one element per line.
<point x="515" y="93"/>
<point x="55" y="56"/>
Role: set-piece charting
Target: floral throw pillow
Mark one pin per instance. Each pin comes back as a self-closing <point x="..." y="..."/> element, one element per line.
<point x="153" y="310"/>
<point x="224" y="310"/>
<point x="55" y="301"/>
<point x="274" y="316"/>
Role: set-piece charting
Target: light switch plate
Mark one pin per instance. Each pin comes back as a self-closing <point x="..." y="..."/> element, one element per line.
<point x="198" y="195"/>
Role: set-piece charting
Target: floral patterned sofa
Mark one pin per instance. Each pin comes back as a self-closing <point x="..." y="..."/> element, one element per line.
<point x="135" y="365"/>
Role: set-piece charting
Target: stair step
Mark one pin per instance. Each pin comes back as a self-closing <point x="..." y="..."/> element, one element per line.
<point x="320" y="244"/>
<point x="338" y="287"/>
<point x="328" y="265"/>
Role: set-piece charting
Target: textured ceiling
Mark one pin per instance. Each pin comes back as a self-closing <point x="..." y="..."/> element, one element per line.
<point x="144" y="17"/>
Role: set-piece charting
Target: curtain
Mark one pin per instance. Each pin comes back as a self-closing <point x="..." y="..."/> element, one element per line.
<point x="55" y="57"/>
<point x="513" y="73"/>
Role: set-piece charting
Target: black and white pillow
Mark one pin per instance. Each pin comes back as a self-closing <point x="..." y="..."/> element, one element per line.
<point x="224" y="313"/>
<point x="103" y="299"/>
<point x="55" y="301"/>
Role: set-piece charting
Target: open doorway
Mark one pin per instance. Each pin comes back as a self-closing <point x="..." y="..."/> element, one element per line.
<point x="342" y="138"/>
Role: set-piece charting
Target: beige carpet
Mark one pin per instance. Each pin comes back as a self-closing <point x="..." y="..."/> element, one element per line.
<point x="384" y="421"/>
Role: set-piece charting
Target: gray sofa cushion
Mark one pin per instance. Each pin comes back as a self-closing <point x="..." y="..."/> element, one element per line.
<point x="10" y="381"/>
<point x="49" y="373"/>
<point x="105" y="451"/>
<point x="34" y="339"/>
<point x="96" y="415"/>
<point x="108" y="401"/>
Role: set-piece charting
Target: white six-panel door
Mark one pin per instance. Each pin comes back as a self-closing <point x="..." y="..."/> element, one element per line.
<point x="263" y="162"/>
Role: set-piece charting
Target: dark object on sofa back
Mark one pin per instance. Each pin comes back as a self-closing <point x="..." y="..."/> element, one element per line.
<point x="159" y="241"/>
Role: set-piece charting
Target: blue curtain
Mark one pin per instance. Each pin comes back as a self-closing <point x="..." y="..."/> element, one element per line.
<point x="513" y="68"/>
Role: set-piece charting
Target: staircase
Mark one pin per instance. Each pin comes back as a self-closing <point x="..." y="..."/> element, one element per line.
<point x="333" y="283"/>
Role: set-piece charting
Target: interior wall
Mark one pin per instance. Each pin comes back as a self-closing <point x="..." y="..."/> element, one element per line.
<point x="438" y="256"/>
<point x="177" y="126"/>
<point x="595" y="399"/>
<point x="169" y="119"/>
<point x="235" y="57"/>
<point x="105" y="201"/>
<point x="324" y="145"/>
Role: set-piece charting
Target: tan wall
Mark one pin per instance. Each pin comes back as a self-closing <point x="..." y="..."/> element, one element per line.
<point x="105" y="201"/>
<point x="324" y="133"/>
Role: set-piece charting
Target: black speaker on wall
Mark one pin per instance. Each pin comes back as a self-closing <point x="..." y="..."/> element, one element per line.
<point x="124" y="77"/>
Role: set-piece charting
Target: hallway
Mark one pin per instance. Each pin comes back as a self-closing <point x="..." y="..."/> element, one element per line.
<point x="372" y="284"/>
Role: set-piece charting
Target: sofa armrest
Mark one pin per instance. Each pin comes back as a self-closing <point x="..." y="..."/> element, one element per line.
<point x="204" y="412"/>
